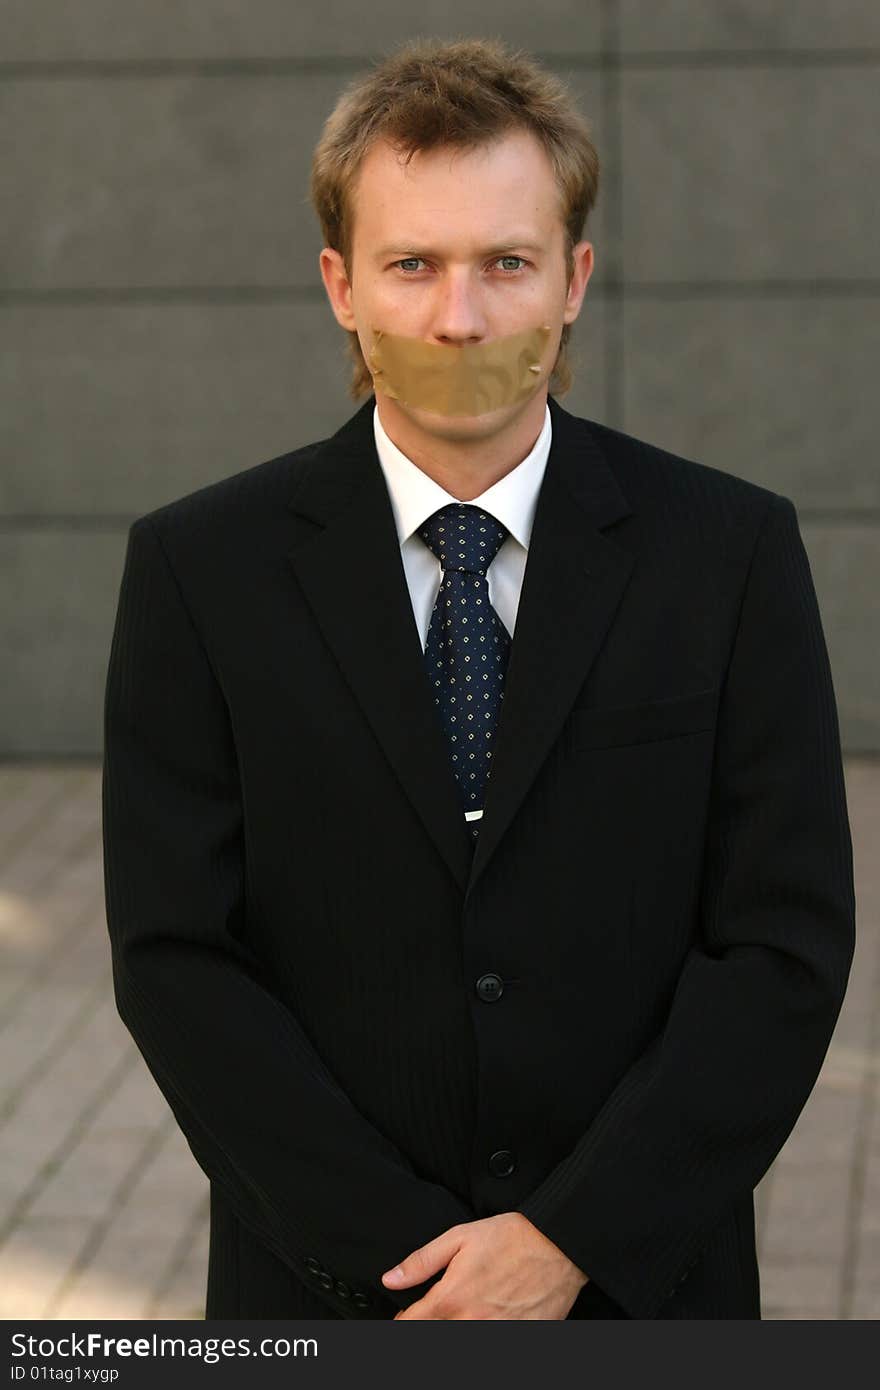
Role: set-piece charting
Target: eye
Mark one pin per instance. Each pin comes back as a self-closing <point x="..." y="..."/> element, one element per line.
<point x="413" y="261"/>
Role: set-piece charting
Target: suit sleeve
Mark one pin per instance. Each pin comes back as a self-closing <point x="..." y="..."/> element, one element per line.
<point x="266" y="1121"/>
<point x="699" y="1117"/>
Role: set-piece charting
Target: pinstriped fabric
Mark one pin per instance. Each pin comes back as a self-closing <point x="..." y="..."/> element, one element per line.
<point x="673" y="919"/>
<point x="762" y="871"/>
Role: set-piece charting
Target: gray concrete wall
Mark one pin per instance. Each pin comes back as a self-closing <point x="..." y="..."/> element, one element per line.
<point x="159" y="264"/>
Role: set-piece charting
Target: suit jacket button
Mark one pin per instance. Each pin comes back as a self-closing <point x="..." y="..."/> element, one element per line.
<point x="313" y="1265"/>
<point x="342" y="1289"/>
<point x="490" y="987"/>
<point x="501" y="1163"/>
<point x="361" y="1300"/>
<point x="326" y="1280"/>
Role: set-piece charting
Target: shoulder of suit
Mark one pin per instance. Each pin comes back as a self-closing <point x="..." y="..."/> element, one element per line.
<point x="651" y="475"/>
<point x="256" y="489"/>
<point x="648" y="474"/>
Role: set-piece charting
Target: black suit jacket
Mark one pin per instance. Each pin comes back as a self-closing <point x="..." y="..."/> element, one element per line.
<point x="610" y="1015"/>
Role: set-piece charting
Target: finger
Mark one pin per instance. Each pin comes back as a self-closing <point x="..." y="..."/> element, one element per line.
<point x="424" y="1261"/>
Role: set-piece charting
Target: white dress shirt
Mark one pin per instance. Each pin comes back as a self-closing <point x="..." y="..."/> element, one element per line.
<point x="512" y="501"/>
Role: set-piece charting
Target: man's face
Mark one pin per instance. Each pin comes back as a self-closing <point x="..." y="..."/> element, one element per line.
<point x="458" y="247"/>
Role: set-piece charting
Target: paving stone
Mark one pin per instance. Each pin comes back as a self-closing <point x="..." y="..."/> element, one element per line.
<point x="34" y="1262"/>
<point x="807" y="1216"/>
<point x="799" y="1288"/>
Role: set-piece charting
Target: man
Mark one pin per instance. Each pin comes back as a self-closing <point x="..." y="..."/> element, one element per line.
<point x="478" y="868"/>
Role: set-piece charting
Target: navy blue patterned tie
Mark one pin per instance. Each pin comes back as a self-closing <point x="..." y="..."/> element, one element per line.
<point x="467" y="646"/>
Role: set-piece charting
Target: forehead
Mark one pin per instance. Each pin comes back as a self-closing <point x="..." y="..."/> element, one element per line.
<point x="508" y="180"/>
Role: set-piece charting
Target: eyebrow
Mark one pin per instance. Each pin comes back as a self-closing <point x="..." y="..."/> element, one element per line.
<point x="404" y="249"/>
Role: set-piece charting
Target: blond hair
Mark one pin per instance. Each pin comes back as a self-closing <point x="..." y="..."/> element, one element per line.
<point x="461" y="92"/>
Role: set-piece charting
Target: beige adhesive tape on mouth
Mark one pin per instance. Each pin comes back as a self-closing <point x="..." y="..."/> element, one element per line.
<point x="467" y="380"/>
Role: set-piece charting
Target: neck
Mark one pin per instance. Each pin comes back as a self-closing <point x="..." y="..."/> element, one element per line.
<point x="465" y="459"/>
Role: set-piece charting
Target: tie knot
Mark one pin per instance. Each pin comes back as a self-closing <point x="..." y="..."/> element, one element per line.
<point x="464" y="537"/>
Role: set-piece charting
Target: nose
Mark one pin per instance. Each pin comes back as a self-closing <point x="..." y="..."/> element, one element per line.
<point x="458" y="315"/>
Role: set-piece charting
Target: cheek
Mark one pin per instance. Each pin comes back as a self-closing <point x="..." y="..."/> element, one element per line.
<point x="390" y="305"/>
<point x="542" y="292"/>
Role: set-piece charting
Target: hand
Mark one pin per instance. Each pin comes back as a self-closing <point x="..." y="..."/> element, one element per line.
<point x="499" y="1267"/>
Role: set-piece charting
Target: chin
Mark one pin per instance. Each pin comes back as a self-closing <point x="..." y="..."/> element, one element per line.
<point x="463" y="426"/>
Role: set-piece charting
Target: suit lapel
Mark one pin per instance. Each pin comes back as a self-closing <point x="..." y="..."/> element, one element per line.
<point x="350" y="569"/>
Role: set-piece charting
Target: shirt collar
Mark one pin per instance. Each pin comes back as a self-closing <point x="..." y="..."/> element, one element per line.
<point x="415" y="496"/>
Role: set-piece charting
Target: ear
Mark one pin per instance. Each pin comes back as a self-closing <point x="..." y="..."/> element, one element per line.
<point x="582" y="257"/>
<point x="337" y="285"/>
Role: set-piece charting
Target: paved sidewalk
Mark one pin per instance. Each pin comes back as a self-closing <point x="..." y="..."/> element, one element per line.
<point x="103" y="1209"/>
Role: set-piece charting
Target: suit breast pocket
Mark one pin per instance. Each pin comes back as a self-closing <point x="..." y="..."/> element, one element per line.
<point x="610" y="726"/>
